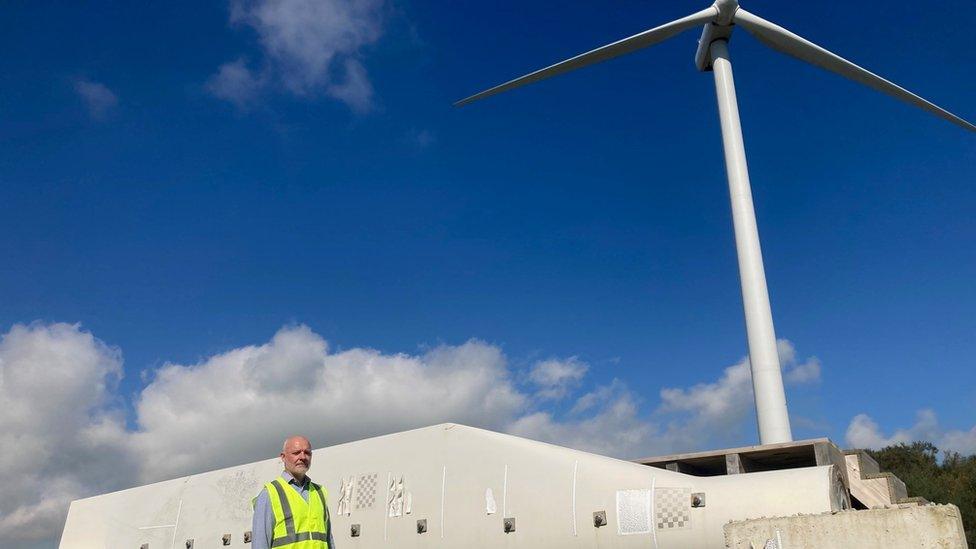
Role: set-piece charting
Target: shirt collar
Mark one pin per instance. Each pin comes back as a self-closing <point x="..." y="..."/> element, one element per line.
<point x="291" y="479"/>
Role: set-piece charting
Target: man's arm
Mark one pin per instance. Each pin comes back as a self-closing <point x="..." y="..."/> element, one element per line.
<point x="262" y="525"/>
<point x="329" y="531"/>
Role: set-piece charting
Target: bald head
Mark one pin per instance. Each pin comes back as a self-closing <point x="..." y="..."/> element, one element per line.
<point x="294" y="439"/>
<point x="296" y="456"/>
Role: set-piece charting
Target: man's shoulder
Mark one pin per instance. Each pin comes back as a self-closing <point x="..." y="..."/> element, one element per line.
<point x="262" y="499"/>
<point x="263" y="492"/>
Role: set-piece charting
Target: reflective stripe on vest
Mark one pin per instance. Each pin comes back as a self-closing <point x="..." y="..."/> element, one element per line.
<point x="298" y="524"/>
<point x="295" y="538"/>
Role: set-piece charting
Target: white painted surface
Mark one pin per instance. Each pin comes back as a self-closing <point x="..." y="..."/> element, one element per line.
<point x="767" y="378"/>
<point x="538" y="491"/>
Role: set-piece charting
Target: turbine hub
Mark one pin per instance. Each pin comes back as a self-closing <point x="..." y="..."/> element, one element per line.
<point x="724" y="10"/>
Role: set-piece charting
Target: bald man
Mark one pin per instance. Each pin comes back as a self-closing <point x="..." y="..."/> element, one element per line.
<point x="292" y="512"/>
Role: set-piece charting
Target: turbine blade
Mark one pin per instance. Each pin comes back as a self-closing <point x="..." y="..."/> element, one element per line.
<point x="620" y="47"/>
<point x="784" y="41"/>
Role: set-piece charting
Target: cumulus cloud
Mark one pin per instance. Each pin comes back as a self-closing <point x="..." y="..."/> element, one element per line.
<point x="717" y="411"/>
<point x="555" y="378"/>
<point x="796" y="373"/>
<point x="58" y="429"/>
<point x="607" y="420"/>
<point x="62" y="410"/>
<point x="332" y="397"/>
<point x="57" y="390"/>
<point x="616" y="429"/>
<point x="96" y="96"/>
<point x="309" y="47"/>
<point x="864" y="432"/>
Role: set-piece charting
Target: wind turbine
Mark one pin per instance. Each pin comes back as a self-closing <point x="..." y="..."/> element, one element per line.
<point x="719" y="20"/>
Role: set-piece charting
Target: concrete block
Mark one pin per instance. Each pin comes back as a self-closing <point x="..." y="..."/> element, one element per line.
<point x="903" y="527"/>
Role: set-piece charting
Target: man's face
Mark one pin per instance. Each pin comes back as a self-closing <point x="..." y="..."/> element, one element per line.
<point x="297" y="456"/>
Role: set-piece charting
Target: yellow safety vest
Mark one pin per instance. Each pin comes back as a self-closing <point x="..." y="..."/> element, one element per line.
<point x="299" y="524"/>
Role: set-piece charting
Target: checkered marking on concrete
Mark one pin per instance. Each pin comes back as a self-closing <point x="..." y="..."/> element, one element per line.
<point x="672" y="508"/>
<point x="366" y="491"/>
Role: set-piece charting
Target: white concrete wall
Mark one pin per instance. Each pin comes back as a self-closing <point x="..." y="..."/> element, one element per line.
<point x="552" y="493"/>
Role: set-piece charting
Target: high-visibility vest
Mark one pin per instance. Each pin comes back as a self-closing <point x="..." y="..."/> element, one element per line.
<point x="298" y="524"/>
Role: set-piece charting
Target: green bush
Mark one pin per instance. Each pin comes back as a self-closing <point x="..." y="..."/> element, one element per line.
<point x="951" y="480"/>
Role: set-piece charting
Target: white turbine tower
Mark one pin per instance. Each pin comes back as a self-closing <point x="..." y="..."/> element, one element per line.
<point x="719" y="20"/>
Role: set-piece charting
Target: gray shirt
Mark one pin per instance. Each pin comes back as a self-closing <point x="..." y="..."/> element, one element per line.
<point x="263" y="523"/>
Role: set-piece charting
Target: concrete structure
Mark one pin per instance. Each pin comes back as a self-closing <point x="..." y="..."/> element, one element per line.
<point x="752" y="459"/>
<point x="455" y="486"/>
<point x="901" y="527"/>
<point x="869" y="487"/>
<point x="873" y="488"/>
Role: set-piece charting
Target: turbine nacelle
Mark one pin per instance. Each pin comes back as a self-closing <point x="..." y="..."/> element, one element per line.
<point x="710" y="33"/>
<point x="718" y="29"/>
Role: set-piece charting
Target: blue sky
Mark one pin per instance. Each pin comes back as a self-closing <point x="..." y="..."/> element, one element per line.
<point x="183" y="181"/>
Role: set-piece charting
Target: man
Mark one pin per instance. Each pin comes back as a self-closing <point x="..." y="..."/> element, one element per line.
<point x="292" y="512"/>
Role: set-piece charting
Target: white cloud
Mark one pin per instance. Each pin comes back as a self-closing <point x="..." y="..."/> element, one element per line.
<point x="704" y="415"/>
<point x="807" y="372"/>
<point x="57" y="390"/>
<point x="249" y="397"/>
<point x="97" y="97"/>
<point x="797" y="373"/>
<point x="57" y="428"/>
<point x="555" y="378"/>
<point x="354" y="89"/>
<point x="728" y="397"/>
<point x="616" y="429"/>
<point x="956" y="440"/>
<point x="310" y="47"/>
<point x="236" y="83"/>
<point x="864" y="432"/>
<point x="718" y="411"/>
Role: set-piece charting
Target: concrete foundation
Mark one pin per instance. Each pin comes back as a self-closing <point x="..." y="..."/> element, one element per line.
<point x="909" y="526"/>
